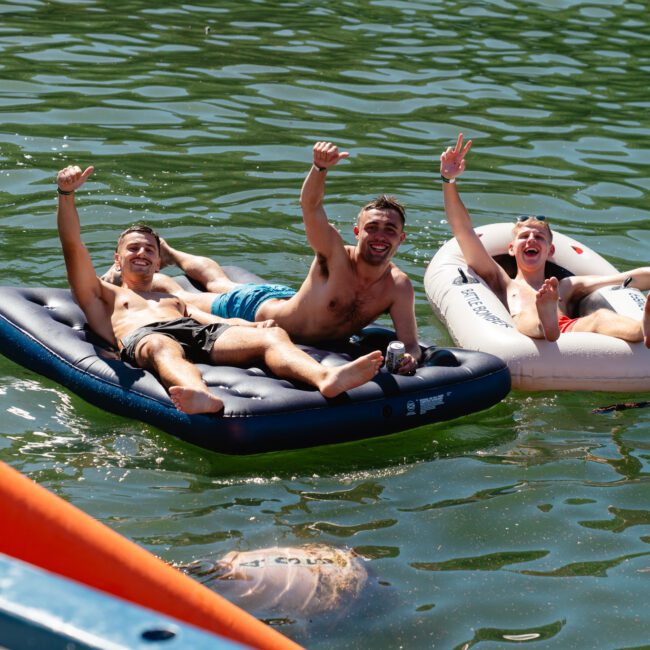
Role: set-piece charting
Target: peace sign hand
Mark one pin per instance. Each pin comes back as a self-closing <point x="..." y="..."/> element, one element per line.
<point x="452" y="161"/>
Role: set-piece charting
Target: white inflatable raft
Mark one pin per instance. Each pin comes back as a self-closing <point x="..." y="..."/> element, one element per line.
<point x="478" y="320"/>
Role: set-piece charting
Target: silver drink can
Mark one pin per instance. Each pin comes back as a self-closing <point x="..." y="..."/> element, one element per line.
<point x="394" y="355"/>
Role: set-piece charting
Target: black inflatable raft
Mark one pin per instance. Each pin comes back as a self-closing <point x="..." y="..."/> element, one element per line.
<point x="45" y="330"/>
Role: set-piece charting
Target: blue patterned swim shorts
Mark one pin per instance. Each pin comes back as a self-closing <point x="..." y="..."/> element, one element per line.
<point x="245" y="300"/>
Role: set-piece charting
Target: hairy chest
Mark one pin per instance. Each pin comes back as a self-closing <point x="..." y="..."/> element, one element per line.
<point x="356" y="304"/>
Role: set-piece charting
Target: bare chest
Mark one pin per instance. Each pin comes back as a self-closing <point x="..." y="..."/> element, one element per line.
<point x="356" y="305"/>
<point x="147" y="306"/>
<point x="522" y="297"/>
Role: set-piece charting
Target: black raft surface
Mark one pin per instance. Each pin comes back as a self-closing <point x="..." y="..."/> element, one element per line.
<point x="46" y="331"/>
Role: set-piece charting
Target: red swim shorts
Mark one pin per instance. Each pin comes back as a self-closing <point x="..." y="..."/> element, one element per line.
<point x="566" y="323"/>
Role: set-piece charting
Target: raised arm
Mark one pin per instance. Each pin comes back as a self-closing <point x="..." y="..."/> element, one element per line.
<point x="321" y="235"/>
<point x="86" y="286"/>
<point x="452" y="165"/>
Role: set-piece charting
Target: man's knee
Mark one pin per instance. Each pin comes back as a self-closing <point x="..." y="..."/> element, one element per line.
<point x="602" y="318"/>
<point x="602" y="315"/>
<point x="154" y="346"/>
<point x="267" y="338"/>
<point x="278" y="335"/>
<point x="271" y="337"/>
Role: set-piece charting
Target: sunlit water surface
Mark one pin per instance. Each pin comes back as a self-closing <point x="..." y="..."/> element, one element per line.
<point x="528" y="524"/>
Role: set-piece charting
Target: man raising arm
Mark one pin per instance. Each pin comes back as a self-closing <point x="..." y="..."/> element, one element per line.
<point x="359" y="282"/>
<point x="540" y="306"/>
<point x="346" y="288"/>
<point x="157" y="331"/>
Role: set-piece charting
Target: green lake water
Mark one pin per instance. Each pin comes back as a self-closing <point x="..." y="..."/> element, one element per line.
<point x="525" y="525"/>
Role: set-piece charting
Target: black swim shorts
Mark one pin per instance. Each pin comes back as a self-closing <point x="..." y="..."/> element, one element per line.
<point x="196" y="340"/>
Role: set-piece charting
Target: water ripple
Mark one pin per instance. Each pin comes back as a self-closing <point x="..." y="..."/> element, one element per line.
<point x="201" y="119"/>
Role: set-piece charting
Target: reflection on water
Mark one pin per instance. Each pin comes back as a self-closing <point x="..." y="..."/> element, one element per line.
<point x="525" y="524"/>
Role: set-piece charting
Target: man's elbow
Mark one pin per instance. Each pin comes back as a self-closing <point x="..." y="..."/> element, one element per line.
<point x="309" y="205"/>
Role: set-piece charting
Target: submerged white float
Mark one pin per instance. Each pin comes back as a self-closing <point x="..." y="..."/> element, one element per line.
<point x="478" y="320"/>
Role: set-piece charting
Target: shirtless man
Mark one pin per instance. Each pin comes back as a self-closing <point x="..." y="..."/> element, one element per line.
<point x="157" y="331"/>
<point x="540" y="307"/>
<point x="346" y="288"/>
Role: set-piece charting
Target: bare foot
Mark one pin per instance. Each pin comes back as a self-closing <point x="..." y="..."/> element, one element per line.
<point x="166" y="254"/>
<point x="645" y="323"/>
<point x="546" y="302"/>
<point x="190" y="400"/>
<point x="353" y="374"/>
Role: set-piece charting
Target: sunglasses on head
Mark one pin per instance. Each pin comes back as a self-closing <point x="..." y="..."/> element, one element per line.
<point x="525" y="217"/>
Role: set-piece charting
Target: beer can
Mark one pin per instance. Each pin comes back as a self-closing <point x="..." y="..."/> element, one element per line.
<point x="394" y="355"/>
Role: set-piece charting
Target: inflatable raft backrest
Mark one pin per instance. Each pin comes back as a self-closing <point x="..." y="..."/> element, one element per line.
<point x="508" y="264"/>
<point x="601" y="299"/>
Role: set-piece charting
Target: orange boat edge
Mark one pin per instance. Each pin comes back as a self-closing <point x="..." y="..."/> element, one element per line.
<point x="48" y="532"/>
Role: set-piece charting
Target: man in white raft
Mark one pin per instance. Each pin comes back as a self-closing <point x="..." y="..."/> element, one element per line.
<point x="539" y="306"/>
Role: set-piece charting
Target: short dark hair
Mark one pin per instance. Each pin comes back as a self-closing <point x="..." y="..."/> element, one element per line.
<point x="139" y="227"/>
<point x="385" y="202"/>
